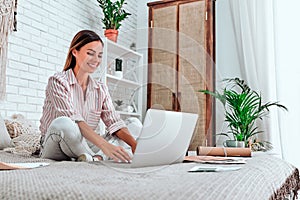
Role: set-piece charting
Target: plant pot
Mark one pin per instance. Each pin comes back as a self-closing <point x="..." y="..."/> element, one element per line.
<point x="234" y="143"/>
<point x="111" y="34"/>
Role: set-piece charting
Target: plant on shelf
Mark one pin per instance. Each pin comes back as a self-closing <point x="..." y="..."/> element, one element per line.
<point x="119" y="104"/>
<point x="113" y="15"/>
<point x="243" y="106"/>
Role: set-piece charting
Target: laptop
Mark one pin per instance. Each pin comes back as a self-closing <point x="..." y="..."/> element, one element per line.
<point x="164" y="138"/>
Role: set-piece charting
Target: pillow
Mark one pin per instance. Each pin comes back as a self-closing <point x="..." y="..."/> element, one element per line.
<point x="18" y="125"/>
<point x="5" y="139"/>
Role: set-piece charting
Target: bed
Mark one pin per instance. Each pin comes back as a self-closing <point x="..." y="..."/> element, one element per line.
<point x="262" y="177"/>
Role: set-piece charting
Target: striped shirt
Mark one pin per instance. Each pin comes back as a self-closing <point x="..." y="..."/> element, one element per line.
<point x="64" y="97"/>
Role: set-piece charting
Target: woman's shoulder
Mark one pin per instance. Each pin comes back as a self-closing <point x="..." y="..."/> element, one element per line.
<point x="60" y="75"/>
<point x="63" y="76"/>
<point x="59" y="78"/>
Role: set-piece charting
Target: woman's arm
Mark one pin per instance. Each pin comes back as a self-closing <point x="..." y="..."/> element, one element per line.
<point x="124" y="135"/>
<point x="115" y="152"/>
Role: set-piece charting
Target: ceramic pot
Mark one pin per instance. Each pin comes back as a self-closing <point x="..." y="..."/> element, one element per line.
<point x="111" y="34"/>
<point x="234" y="143"/>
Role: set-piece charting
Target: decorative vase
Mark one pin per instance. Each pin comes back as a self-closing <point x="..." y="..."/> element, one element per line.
<point x="118" y="69"/>
<point x="111" y="34"/>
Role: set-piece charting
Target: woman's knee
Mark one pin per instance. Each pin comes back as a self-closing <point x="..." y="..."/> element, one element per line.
<point x="66" y="127"/>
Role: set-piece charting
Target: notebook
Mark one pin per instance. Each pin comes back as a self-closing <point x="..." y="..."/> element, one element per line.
<point x="164" y="138"/>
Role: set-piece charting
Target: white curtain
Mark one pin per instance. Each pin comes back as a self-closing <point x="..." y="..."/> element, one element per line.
<point x="253" y="24"/>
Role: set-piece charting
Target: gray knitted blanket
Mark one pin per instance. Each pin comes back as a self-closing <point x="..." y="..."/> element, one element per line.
<point x="263" y="177"/>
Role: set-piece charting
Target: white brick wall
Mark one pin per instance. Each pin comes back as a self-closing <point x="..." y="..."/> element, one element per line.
<point x="39" y="47"/>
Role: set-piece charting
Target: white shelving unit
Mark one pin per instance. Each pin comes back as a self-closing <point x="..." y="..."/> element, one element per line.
<point x="129" y="88"/>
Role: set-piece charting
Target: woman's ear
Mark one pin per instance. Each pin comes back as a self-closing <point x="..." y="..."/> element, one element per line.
<point x="74" y="52"/>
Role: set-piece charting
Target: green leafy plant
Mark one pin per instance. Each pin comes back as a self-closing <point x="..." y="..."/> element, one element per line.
<point x="119" y="102"/>
<point x="113" y="13"/>
<point x="243" y="106"/>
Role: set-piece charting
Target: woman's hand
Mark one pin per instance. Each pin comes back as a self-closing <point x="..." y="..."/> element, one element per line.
<point x="117" y="153"/>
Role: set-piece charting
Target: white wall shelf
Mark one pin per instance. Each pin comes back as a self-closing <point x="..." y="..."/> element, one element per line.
<point x="129" y="87"/>
<point x="118" y="49"/>
<point x="129" y="113"/>
<point x="124" y="82"/>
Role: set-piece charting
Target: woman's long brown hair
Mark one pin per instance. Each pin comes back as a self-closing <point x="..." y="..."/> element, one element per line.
<point x="80" y="39"/>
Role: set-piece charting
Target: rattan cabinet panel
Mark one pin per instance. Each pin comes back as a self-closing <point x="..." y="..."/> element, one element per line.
<point x="181" y="61"/>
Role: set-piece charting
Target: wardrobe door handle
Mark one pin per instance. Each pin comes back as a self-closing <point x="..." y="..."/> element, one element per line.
<point x="173" y="101"/>
<point x="178" y="101"/>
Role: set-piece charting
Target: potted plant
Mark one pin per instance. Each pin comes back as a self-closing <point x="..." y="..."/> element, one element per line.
<point x="243" y="107"/>
<point x="119" y="104"/>
<point x="113" y="15"/>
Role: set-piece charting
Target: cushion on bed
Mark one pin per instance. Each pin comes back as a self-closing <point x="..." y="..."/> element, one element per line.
<point x="19" y="125"/>
<point x="25" y="136"/>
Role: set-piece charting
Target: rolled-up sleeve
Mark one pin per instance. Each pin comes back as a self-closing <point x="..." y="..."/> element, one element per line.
<point x="60" y="96"/>
<point x="109" y="115"/>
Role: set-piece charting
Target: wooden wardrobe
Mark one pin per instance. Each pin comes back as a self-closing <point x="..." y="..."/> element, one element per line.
<point x="181" y="59"/>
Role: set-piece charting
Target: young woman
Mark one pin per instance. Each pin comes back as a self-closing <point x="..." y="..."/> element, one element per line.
<point x="74" y="105"/>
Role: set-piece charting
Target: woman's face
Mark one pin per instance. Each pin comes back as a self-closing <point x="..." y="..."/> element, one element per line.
<point x="89" y="57"/>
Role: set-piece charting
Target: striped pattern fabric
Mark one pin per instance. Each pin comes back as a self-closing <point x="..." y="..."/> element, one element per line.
<point x="64" y="97"/>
